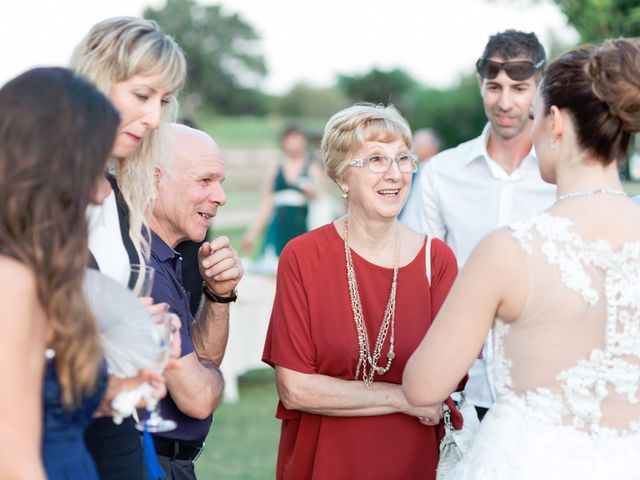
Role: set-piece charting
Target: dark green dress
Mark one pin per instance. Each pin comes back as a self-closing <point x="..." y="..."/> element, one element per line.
<point x="289" y="214"/>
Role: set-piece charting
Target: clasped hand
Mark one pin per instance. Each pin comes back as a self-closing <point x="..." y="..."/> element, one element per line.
<point x="430" y="415"/>
<point x="220" y="266"/>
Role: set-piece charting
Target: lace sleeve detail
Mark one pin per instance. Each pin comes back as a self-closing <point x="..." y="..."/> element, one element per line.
<point x="521" y="232"/>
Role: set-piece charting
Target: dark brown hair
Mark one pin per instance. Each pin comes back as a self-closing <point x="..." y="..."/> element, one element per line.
<point x="56" y="132"/>
<point x="600" y="87"/>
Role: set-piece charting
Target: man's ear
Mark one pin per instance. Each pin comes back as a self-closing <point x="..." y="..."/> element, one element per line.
<point x="480" y="81"/>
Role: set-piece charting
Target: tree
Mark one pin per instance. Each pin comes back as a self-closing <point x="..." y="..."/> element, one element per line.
<point x="379" y="86"/>
<point x="596" y="20"/>
<point x="456" y="113"/>
<point x="224" y="68"/>
<point x="306" y="101"/>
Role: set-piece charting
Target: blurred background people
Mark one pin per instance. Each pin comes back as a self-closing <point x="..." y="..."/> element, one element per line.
<point x="469" y="190"/>
<point x="561" y="290"/>
<point x="141" y="70"/>
<point x="426" y="143"/>
<point x="341" y="404"/>
<point x="56" y="132"/>
<point x="286" y="192"/>
<point x="189" y="176"/>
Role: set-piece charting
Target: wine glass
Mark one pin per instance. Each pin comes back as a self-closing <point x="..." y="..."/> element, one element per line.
<point x="139" y="279"/>
<point x="162" y="331"/>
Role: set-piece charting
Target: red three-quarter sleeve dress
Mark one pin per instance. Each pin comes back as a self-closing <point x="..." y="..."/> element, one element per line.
<point x="312" y="331"/>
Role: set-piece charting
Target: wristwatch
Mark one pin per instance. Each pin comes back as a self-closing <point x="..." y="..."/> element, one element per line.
<point x="215" y="298"/>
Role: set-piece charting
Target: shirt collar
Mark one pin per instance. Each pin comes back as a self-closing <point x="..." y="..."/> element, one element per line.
<point x="479" y="149"/>
<point x="160" y="249"/>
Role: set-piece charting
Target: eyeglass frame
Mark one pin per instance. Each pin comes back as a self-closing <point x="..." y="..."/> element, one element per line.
<point x="364" y="162"/>
<point x="501" y="66"/>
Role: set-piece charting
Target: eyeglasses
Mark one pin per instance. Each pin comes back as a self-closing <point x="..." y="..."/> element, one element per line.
<point x="517" y="70"/>
<point x="407" y="163"/>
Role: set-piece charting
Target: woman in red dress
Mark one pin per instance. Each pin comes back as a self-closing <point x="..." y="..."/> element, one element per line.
<point x="352" y="303"/>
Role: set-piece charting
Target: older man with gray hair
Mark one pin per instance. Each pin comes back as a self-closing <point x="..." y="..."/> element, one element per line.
<point x="189" y="192"/>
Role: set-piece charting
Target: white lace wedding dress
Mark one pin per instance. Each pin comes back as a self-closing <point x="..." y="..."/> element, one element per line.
<point x="567" y="371"/>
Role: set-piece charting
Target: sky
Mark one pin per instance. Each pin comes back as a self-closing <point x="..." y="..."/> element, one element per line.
<point x="307" y="41"/>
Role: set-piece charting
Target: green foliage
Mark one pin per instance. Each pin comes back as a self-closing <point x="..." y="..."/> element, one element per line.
<point x="596" y="20"/>
<point x="378" y="86"/>
<point x="456" y="113"/>
<point x="306" y="101"/>
<point x="220" y="50"/>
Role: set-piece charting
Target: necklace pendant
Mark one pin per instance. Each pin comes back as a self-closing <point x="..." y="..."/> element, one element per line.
<point x="380" y="370"/>
<point x="391" y="355"/>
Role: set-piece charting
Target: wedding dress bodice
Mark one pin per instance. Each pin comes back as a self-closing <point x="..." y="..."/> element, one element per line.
<point x="573" y="357"/>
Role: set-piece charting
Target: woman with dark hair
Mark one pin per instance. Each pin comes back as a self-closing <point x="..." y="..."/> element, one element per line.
<point x="56" y="131"/>
<point x="561" y="291"/>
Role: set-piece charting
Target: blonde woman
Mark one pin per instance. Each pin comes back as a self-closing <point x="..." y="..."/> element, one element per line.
<point x="141" y="70"/>
<point x="352" y="302"/>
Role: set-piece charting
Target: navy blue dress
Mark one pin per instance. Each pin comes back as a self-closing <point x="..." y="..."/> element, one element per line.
<point x="64" y="453"/>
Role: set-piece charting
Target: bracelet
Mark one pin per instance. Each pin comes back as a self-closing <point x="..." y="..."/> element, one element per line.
<point x="215" y="298"/>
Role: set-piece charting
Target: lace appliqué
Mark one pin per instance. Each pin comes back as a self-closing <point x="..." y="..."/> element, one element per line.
<point x="501" y="364"/>
<point x="586" y="384"/>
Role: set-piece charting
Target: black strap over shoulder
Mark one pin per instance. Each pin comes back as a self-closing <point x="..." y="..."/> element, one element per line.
<point x="123" y="218"/>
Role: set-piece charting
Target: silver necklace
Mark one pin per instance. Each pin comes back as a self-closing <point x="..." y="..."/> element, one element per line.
<point x="612" y="191"/>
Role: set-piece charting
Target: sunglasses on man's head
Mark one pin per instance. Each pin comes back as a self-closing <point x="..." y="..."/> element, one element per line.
<point x="516" y="70"/>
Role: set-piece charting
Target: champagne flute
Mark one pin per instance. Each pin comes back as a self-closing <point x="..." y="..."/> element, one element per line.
<point x="163" y="335"/>
<point x="139" y="279"/>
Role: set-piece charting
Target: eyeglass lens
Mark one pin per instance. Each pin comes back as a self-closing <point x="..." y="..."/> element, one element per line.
<point x="382" y="163"/>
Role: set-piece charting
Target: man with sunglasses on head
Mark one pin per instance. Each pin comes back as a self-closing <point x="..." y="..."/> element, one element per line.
<point x="480" y="185"/>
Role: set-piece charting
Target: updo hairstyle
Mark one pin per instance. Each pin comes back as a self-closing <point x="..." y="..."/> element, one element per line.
<point x="600" y="87"/>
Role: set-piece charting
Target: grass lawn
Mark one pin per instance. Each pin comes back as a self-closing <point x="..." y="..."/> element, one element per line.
<point x="249" y="131"/>
<point x="243" y="441"/>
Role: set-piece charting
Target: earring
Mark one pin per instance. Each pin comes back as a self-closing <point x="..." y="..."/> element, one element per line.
<point x="345" y="194"/>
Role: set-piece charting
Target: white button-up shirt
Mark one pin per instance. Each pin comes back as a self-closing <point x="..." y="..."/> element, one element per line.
<point x="463" y="194"/>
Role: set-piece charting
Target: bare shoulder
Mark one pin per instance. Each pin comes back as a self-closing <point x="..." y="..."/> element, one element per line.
<point x="15" y="277"/>
<point x="498" y="254"/>
<point x="18" y="298"/>
<point x="498" y="247"/>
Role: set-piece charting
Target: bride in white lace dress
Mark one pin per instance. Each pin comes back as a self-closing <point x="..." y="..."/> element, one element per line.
<point x="561" y="291"/>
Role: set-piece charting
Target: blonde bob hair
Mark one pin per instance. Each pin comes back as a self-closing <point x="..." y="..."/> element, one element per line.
<point x="113" y="51"/>
<point x="348" y="130"/>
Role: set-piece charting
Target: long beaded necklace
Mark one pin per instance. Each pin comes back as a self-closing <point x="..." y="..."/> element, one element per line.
<point x="612" y="191"/>
<point x="366" y="360"/>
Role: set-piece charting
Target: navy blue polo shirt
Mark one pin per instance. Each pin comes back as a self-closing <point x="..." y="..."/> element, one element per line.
<point x="167" y="287"/>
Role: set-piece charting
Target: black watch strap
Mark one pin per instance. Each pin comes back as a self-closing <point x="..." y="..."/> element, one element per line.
<point x="215" y="298"/>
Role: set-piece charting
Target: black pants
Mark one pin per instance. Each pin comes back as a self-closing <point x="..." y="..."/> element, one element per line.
<point x="175" y="469"/>
<point x="116" y="449"/>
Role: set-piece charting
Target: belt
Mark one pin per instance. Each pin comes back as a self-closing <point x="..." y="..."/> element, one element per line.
<point x="177" y="449"/>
